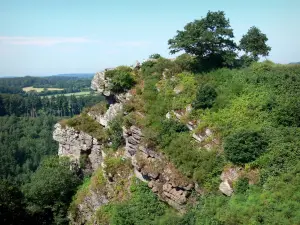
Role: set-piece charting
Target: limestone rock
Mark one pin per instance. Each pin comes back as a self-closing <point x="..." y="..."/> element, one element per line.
<point x="228" y="176"/>
<point x="162" y="177"/>
<point x="74" y="144"/>
<point x="101" y="84"/>
<point x="109" y="115"/>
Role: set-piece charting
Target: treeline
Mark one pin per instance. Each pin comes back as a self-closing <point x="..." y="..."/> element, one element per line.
<point x="70" y="84"/>
<point x="34" y="105"/>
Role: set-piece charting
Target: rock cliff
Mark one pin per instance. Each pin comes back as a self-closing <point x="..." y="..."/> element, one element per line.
<point x="78" y="146"/>
<point x="162" y="177"/>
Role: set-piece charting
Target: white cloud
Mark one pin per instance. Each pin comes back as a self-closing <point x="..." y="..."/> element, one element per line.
<point x="42" y="41"/>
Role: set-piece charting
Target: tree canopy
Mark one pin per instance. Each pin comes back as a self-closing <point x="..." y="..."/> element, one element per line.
<point x="254" y="42"/>
<point x="210" y="38"/>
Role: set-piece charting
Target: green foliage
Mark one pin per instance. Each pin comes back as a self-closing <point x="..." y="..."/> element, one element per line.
<point x="254" y="42"/>
<point x="85" y="123"/>
<point x="122" y="82"/>
<point x="51" y="188"/>
<point x="201" y="165"/>
<point x="205" y="97"/>
<point x="203" y="39"/>
<point x="116" y="132"/>
<point x="24" y="142"/>
<point x="12" y="207"/>
<point x="121" y="79"/>
<point x="244" y="146"/>
<point x="143" y="208"/>
<point x="186" y="62"/>
<point x="242" y="185"/>
<point x="169" y="130"/>
<point x="155" y="56"/>
<point x="99" y="108"/>
<point x="113" y="165"/>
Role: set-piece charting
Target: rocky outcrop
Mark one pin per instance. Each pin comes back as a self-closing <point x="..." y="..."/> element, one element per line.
<point x="101" y="84"/>
<point x="109" y="115"/>
<point x="162" y="177"/>
<point x="228" y="176"/>
<point x="78" y="145"/>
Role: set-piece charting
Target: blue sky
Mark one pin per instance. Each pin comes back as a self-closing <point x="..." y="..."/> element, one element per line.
<point x="42" y="37"/>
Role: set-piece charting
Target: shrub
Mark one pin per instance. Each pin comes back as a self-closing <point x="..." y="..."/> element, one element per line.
<point x="85" y="123"/>
<point x="99" y="108"/>
<point x="242" y="185"/>
<point x="186" y="62"/>
<point x="244" y="146"/>
<point x="122" y="81"/>
<point x="205" y="97"/>
<point x="116" y="132"/>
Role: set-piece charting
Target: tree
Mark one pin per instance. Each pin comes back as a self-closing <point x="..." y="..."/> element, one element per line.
<point x="254" y="42"/>
<point x="210" y="39"/>
<point x="51" y="189"/>
<point x="244" y="146"/>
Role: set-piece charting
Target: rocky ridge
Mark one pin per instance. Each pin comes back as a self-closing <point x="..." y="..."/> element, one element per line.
<point x="148" y="165"/>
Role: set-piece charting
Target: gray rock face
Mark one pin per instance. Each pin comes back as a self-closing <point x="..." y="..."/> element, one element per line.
<point x="162" y="177"/>
<point x="110" y="114"/>
<point x="228" y="176"/>
<point x="74" y="144"/>
<point x="86" y="210"/>
<point x="101" y="84"/>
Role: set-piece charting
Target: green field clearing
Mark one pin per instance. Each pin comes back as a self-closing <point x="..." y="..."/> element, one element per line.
<point x="69" y="94"/>
<point x="27" y="89"/>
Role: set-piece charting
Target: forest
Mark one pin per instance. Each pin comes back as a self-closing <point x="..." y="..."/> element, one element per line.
<point x="69" y="84"/>
<point x="252" y="108"/>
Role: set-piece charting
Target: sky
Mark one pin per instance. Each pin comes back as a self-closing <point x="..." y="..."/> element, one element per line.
<point x="42" y="37"/>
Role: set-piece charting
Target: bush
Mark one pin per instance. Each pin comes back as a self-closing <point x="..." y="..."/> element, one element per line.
<point x="85" y="123"/>
<point x="116" y="132"/>
<point x="205" y="97"/>
<point x="122" y="81"/>
<point x="242" y="185"/>
<point x="244" y="146"/>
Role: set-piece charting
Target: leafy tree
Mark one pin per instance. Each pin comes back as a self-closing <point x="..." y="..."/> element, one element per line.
<point x="244" y="146"/>
<point x="205" y="97"/>
<point x="210" y="39"/>
<point x="51" y="189"/>
<point x="155" y="56"/>
<point x="254" y="42"/>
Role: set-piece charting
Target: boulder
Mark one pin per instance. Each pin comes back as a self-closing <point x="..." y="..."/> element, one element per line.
<point x="228" y="176"/>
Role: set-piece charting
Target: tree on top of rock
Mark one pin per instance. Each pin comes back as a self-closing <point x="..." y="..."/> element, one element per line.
<point x="210" y="39"/>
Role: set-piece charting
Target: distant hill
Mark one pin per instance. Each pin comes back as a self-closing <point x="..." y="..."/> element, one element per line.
<point x="294" y="63"/>
<point x="78" y="75"/>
